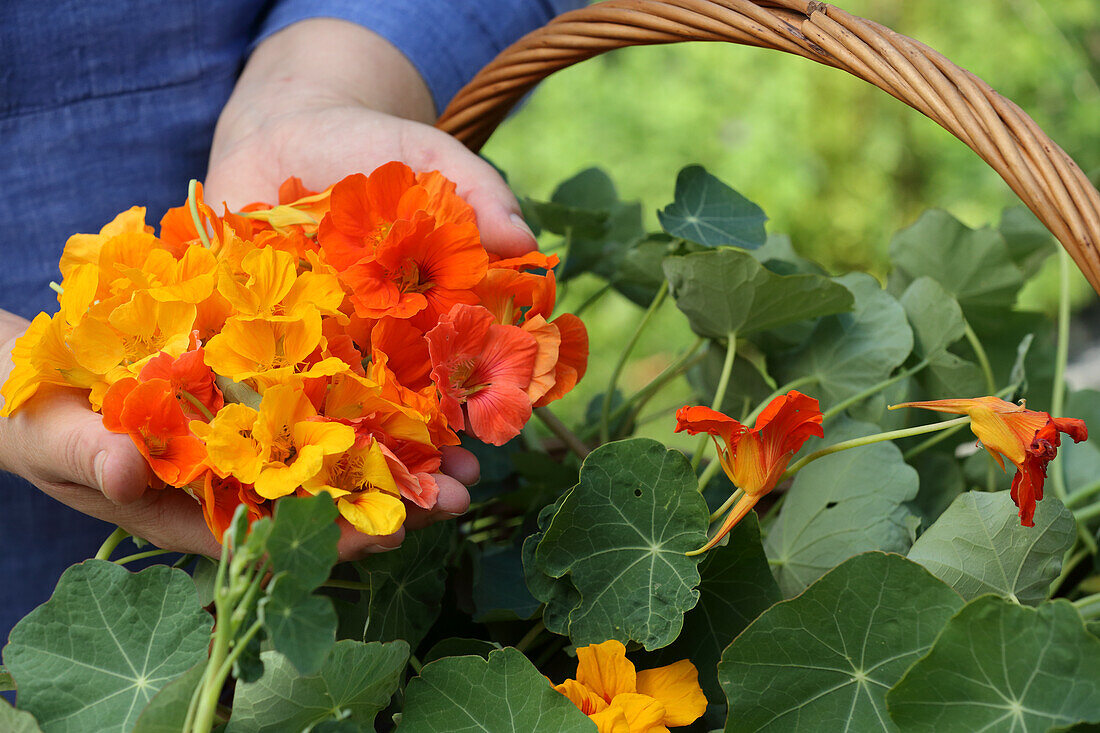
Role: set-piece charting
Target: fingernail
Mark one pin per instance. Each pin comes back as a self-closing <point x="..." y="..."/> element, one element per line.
<point x="519" y="223"/>
<point x="100" y="462"/>
<point x="452" y="515"/>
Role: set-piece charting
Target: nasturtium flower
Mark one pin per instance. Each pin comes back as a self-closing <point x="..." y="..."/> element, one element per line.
<point x="1027" y="438"/>
<point x="486" y="368"/>
<point x="150" y="413"/>
<point x="755" y="459"/>
<point x="619" y="699"/>
<point x="271" y="288"/>
<point x="361" y="480"/>
<point x="246" y="348"/>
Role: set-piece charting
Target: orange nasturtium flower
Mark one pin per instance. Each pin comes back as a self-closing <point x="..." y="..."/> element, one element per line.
<point x="620" y="699"/>
<point x="755" y="459"/>
<point x="1028" y="438"/>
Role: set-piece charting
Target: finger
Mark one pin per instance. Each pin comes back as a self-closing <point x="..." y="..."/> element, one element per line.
<point x="453" y="501"/>
<point x="60" y="440"/>
<point x="503" y="230"/>
<point x="354" y="545"/>
<point x="460" y="464"/>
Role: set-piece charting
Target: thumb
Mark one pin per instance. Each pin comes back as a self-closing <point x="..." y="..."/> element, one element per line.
<point x="64" y="442"/>
<point x="503" y="230"/>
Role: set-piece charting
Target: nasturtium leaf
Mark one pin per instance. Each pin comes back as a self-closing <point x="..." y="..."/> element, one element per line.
<point x="301" y="628"/>
<point x="709" y="212"/>
<point x="18" y="721"/>
<point x="354" y="684"/>
<point x="6" y="682"/>
<point x="727" y="290"/>
<point x="204" y="575"/>
<point x="167" y="710"/>
<point x="977" y="546"/>
<point x="850" y="352"/>
<point x="558" y="594"/>
<point x="736" y="587"/>
<point x="778" y="255"/>
<point x="91" y="657"/>
<point x="639" y="273"/>
<point x="503" y="693"/>
<point x="602" y="255"/>
<point x="406" y="585"/>
<point x="841" y="505"/>
<point x="823" y="661"/>
<point x="747" y="386"/>
<point x="621" y="535"/>
<point x="973" y="265"/>
<point x="948" y="375"/>
<point x="934" y="315"/>
<point x="1000" y="666"/>
<point x="568" y="220"/>
<point x="500" y="593"/>
<point x="303" y="538"/>
<point x="941" y="480"/>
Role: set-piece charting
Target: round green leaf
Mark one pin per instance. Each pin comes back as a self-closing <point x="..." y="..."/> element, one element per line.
<point x="977" y="546"/>
<point x="354" y="684"/>
<point x="935" y="316"/>
<point x="301" y="628"/>
<point x="621" y="535"/>
<point x="91" y="657"/>
<point x="503" y="693"/>
<point x="709" y="212"/>
<point x="406" y="585"/>
<point x="999" y="666"/>
<point x="16" y="721"/>
<point x="499" y="591"/>
<point x="168" y="708"/>
<point x="823" y="661"/>
<point x="303" y="538"/>
<point x="851" y="352"/>
<point x="736" y="587"/>
<point x="727" y="290"/>
<point x="841" y="505"/>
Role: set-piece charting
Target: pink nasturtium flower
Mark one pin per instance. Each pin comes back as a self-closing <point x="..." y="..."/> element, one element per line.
<point x="1028" y="438"/>
<point x="619" y="699"/>
<point x="755" y="459"/>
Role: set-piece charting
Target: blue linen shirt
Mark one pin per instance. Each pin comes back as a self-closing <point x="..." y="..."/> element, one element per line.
<point x="104" y="105"/>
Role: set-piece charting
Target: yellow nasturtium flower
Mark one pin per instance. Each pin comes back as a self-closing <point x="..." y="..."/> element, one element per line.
<point x="366" y="492"/>
<point x="620" y="699"/>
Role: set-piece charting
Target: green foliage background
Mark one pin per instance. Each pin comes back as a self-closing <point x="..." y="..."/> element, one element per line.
<point x="836" y="163"/>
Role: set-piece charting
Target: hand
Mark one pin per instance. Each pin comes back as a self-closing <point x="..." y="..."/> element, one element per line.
<point x="323" y="99"/>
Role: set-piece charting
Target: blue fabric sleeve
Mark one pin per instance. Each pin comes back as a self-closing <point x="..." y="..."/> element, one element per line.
<point x="448" y="41"/>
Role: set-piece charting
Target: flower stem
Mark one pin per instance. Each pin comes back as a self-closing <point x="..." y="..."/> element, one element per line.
<point x="872" y="391"/>
<point x="983" y="358"/>
<point x="1077" y="496"/>
<point x="605" y="413"/>
<point x="708" y="474"/>
<point x="929" y="442"/>
<point x="1088" y="513"/>
<point x="530" y="636"/>
<point x="869" y="439"/>
<point x="415" y="663"/>
<point x="142" y="556"/>
<point x="592" y="300"/>
<point x="721" y="511"/>
<point x="1089" y="606"/>
<point x="1061" y="357"/>
<point x="719" y="393"/>
<point x="109" y="544"/>
<point x="558" y="428"/>
<point x="193" y="205"/>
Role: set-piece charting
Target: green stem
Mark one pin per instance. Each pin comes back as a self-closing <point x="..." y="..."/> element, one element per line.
<point x="1088" y="513"/>
<point x="1077" y="496"/>
<point x="558" y="428"/>
<point x="983" y="358"/>
<point x="142" y="556"/>
<point x="869" y="439"/>
<point x="193" y="205"/>
<point x="721" y="511"/>
<point x="530" y="636"/>
<point x="871" y="391"/>
<point x="197" y="403"/>
<point x="708" y="473"/>
<point x="109" y="544"/>
<point x="345" y="584"/>
<point x="415" y="663"/>
<point x="239" y="645"/>
<point x="637" y="401"/>
<point x="719" y="393"/>
<point x="928" y="443"/>
<point x="1061" y="357"/>
<point x="1089" y="606"/>
<point x="1069" y="563"/>
<point x="782" y="390"/>
<point x="591" y="300"/>
<point x="605" y="413"/>
<point x="56" y="288"/>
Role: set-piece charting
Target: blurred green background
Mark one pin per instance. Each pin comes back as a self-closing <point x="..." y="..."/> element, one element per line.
<point x="835" y="162"/>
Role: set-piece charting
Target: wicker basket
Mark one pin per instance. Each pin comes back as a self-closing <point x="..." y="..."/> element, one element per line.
<point x="1041" y="174"/>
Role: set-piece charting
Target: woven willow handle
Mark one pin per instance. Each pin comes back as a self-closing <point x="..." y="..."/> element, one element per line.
<point x="1040" y="172"/>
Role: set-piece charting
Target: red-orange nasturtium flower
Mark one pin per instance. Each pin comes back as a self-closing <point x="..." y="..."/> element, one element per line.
<point x="619" y="699"/>
<point x="1028" y="438"/>
<point x="486" y="367"/>
<point x="756" y="458"/>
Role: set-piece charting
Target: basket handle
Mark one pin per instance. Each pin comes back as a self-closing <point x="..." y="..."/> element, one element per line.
<point x="1041" y="174"/>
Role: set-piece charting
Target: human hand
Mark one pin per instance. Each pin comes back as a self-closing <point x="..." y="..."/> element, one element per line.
<point x="323" y="99"/>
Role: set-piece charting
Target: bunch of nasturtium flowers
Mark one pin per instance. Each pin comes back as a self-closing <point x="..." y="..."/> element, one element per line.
<point x="332" y="343"/>
<point x="838" y="564"/>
